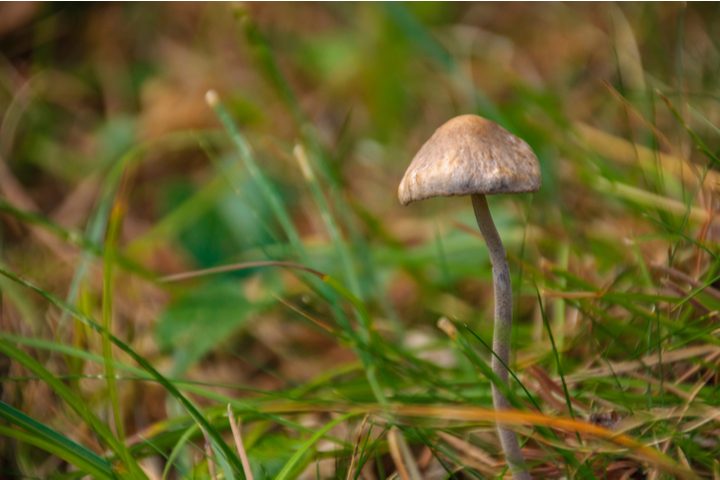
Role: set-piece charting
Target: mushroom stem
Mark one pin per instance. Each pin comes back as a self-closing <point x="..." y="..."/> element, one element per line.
<point x="501" y="330"/>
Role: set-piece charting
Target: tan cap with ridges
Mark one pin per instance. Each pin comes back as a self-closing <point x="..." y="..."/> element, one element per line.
<point x="470" y="155"/>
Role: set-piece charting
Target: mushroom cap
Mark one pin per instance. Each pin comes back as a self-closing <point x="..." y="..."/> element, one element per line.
<point x="469" y="155"/>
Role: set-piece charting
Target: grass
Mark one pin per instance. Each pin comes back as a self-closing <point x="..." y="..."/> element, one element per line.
<point x="164" y="262"/>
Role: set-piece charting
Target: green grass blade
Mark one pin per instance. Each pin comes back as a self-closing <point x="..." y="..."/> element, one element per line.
<point x="169" y="386"/>
<point x="326" y="215"/>
<point x="75" y="402"/>
<point x="265" y="59"/>
<point x="44" y="437"/>
<point x="248" y="158"/>
<point x="366" y="338"/>
<point x="95" y="229"/>
<point x="556" y="354"/>
<point x="484" y="367"/>
<point x="289" y="470"/>
<point x="70" y="351"/>
<point x="178" y="448"/>
<point x="107" y="313"/>
<point x="98" y="221"/>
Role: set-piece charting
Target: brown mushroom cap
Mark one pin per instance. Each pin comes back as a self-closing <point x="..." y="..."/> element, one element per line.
<point x="470" y="155"/>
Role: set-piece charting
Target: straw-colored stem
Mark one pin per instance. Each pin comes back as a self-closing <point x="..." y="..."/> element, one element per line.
<point x="501" y="330"/>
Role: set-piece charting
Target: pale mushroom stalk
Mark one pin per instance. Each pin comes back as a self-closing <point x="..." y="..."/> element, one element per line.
<point x="470" y="155"/>
<point x="502" y="328"/>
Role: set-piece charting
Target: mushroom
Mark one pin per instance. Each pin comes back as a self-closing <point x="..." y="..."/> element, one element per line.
<point x="469" y="155"/>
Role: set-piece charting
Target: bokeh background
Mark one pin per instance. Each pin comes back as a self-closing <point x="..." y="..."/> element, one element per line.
<point x="115" y="172"/>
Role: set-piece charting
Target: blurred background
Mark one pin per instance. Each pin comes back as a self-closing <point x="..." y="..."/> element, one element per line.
<point x="115" y="172"/>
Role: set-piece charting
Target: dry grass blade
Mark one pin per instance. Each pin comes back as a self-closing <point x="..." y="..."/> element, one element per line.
<point x="684" y="277"/>
<point x="356" y="448"/>
<point x="548" y="387"/>
<point x="237" y="436"/>
<point x="404" y="462"/>
<point x="709" y="359"/>
<point x="237" y="267"/>
<point x="262" y="259"/>
<point x="463" y="413"/>
<point x="306" y="315"/>
<point x="618" y="368"/>
<point x="652" y="200"/>
<point x="209" y="457"/>
<point x="626" y="152"/>
<point x="482" y="461"/>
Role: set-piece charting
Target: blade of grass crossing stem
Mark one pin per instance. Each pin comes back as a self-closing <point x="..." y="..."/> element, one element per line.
<point x="74" y="402"/>
<point x="485" y="369"/>
<point x="696" y="291"/>
<point x="510" y="395"/>
<point x="144" y="364"/>
<point x="44" y="437"/>
<point x="107" y="313"/>
<point x="289" y="470"/>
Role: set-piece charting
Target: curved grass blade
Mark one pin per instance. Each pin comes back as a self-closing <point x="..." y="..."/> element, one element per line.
<point x="97" y="223"/>
<point x="178" y="448"/>
<point x="75" y="402"/>
<point x="510" y="417"/>
<point x="337" y="287"/>
<point x="288" y="471"/>
<point x="169" y="386"/>
<point x="45" y="438"/>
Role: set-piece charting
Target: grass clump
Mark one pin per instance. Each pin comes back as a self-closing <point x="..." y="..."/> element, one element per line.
<point x="162" y="260"/>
